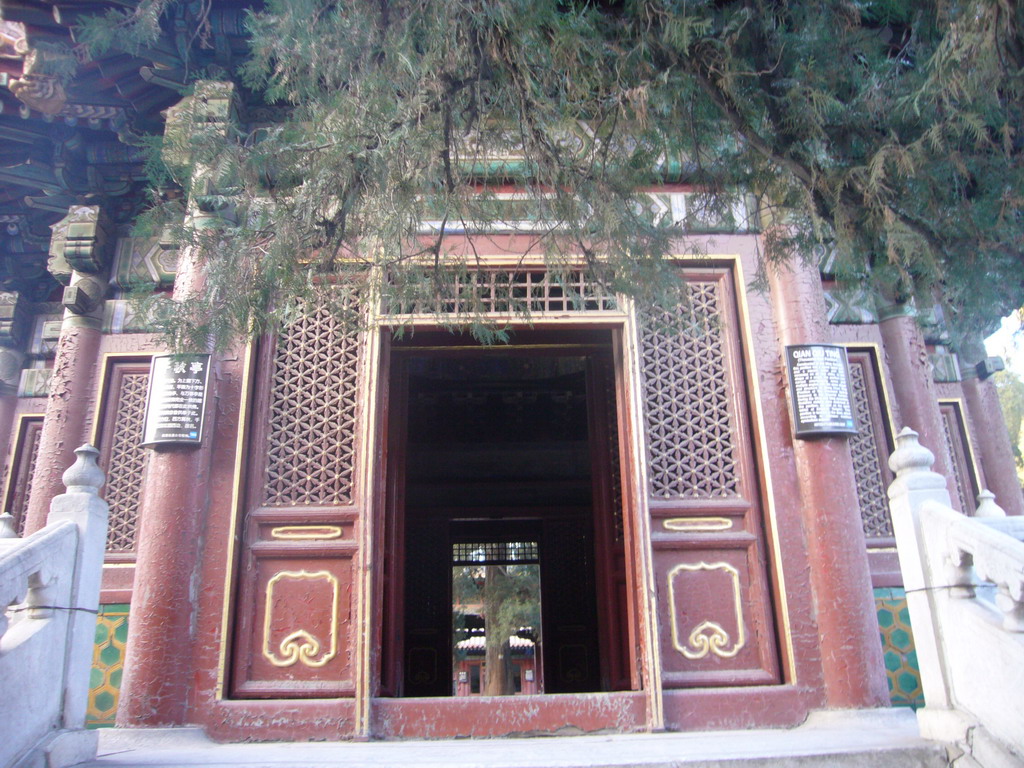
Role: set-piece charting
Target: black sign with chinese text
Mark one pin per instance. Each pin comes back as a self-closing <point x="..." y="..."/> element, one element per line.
<point x="177" y="399"/>
<point x="819" y="385"/>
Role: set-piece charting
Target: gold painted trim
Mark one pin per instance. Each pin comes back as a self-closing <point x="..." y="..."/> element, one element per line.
<point x="241" y="447"/>
<point x="650" y="670"/>
<point x="963" y="413"/>
<point x="363" y="580"/>
<point x="12" y="449"/>
<point x="106" y="363"/>
<point x="300" y="645"/>
<point x="777" y="574"/>
<point x="697" y="524"/>
<point x="707" y="636"/>
<point x="307" y="532"/>
<point x="876" y="351"/>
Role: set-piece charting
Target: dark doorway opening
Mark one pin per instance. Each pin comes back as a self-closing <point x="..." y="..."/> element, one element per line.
<point x="490" y="448"/>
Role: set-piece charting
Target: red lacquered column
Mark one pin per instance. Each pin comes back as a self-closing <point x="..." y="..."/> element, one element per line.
<point x="68" y="409"/>
<point x="851" y="655"/>
<point x="172" y="518"/>
<point x="990" y="437"/>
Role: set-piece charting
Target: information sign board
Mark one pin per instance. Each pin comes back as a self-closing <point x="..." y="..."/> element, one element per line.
<point x="177" y="400"/>
<point x="819" y="385"/>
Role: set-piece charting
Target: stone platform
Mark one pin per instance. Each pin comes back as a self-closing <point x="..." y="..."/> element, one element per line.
<point x="863" y="739"/>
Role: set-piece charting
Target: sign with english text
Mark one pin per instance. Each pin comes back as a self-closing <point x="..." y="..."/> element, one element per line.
<point x="819" y="386"/>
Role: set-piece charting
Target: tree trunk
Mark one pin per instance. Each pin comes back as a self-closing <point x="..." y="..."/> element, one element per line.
<point x="498" y="650"/>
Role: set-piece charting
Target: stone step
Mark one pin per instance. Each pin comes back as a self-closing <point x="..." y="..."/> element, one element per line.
<point x="847" y="739"/>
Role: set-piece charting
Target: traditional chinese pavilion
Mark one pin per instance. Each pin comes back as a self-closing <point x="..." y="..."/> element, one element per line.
<point x="290" y="574"/>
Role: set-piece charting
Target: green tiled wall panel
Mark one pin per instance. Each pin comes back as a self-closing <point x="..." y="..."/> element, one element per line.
<point x="107" y="664"/>
<point x="898" y="646"/>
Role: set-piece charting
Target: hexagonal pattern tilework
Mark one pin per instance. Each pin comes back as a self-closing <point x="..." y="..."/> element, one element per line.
<point x="898" y="646"/>
<point x="107" y="662"/>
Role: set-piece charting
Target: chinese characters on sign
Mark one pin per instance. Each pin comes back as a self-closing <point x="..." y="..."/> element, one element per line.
<point x="177" y="399"/>
<point x="819" y="383"/>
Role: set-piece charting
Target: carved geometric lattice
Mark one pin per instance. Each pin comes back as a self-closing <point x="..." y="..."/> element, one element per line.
<point x="514" y="290"/>
<point x="686" y="399"/>
<point x="126" y="461"/>
<point x="24" y="473"/>
<point x="311" y="441"/>
<point x="874" y="506"/>
<point x="948" y="414"/>
<point x="494" y="552"/>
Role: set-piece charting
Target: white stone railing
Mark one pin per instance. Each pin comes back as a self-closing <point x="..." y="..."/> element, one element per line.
<point x="49" y="597"/>
<point x="964" y="579"/>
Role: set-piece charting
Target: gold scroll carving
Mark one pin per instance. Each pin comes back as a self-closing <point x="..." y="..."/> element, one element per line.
<point x="301" y="645"/>
<point x="707" y="636"/>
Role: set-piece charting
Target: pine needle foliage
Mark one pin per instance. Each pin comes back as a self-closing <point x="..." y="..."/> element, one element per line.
<point x="888" y="130"/>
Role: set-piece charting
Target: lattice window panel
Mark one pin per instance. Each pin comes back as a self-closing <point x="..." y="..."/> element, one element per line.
<point x="504" y="291"/>
<point x="494" y="552"/>
<point x="962" y="475"/>
<point x="871" y="493"/>
<point x="125" y="459"/>
<point x="957" y="480"/>
<point x="686" y="391"/>
<point x="313" y="403"/>
<point x="23" y="472"/>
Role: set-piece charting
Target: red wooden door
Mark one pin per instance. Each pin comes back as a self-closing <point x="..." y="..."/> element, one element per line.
<point x="707" y="527"/>
<point x="299" y="535"/>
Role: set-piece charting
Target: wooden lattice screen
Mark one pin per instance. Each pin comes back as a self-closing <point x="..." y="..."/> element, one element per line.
<point x="504" y="291"/>
<point x="870" y="447"/>
<point x="23" y="467"/>
<point x="707" y="529"/>
<point x="303" y="507"/>
<point x="686" y="394"/>
<point x="311" y="440"/>
<point x="964" y="476"/>
<point x="121" y="456"/>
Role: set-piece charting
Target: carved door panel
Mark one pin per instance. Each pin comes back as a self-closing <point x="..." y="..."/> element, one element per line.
<point x="571" y="657"/>
<point x="428" y="609"/>
<point x="707" y="529"/>
<point x="294" y="609"/>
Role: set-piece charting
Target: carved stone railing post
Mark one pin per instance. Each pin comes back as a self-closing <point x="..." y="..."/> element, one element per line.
<point x="987" y="506"/>
<point x="51" y="580"/>
<point x="7" y="526"/>
<point x="82" y="505"/>
<point x="915" y="485"/>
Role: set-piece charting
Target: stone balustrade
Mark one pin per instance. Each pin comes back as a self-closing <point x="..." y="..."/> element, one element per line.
<point x="964" y="579"/>
<point x="49" y="594"/>
<point x="978" y="551"/>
